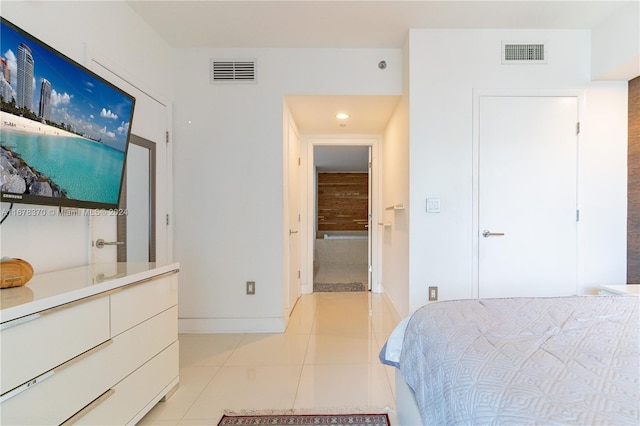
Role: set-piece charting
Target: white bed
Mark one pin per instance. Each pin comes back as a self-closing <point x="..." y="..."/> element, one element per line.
<point x="543" y="361"/>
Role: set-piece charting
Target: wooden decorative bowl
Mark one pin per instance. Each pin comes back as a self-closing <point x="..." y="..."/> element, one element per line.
<point x="14" y="272"/>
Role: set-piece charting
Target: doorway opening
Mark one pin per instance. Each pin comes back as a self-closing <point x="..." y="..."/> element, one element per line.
<point x="342" y="187"/>
<point x="310" y="121"/>
<point x="341" y="246"/>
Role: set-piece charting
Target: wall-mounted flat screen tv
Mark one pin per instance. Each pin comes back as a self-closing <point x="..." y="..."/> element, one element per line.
<point x="64" y="129"/>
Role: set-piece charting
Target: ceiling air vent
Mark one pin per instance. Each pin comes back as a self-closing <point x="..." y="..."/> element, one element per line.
<point x="233" y="71"/>
<point x="524" y="53"/>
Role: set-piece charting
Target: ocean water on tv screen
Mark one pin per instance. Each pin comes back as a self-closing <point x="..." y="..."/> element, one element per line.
<point x="87" y="170"/>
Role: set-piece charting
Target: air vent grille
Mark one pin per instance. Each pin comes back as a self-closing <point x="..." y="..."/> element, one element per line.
<point x="521" y="53"/>
<point x="233" y="71"/>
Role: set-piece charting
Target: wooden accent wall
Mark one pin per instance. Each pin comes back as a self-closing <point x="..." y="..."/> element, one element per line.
<point x="343" y="200"/>
<point x="633" y="194"/>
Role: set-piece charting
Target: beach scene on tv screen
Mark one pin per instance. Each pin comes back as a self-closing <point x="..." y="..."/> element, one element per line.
<point x="63" y="131"/>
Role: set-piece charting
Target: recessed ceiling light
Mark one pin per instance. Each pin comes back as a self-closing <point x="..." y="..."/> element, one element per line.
<point x="342" y="116"/>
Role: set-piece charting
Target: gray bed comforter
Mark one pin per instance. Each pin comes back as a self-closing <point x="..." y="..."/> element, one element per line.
<point x="543" y="361"/>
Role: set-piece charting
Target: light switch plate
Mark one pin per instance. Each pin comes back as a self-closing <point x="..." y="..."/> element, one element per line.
<point x="433" y="205"/>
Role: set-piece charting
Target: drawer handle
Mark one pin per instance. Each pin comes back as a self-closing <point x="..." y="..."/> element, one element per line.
<point x="19" y="321"/>
<point x="83" y="355"/>
<point x="93" y="404"/>
<point x="146" y="280"/>
<point x="142" y="281"/>
<point x="23" y="387"/>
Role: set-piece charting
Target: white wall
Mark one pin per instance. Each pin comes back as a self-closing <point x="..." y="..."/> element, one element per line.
<point x="445" y="68"/>
<point x="112" y="32"/>
<point x="229" y="174"/>
<point x="616" y="46"/>
<point x="603" y="186"/>
<point x="394" y="235"/>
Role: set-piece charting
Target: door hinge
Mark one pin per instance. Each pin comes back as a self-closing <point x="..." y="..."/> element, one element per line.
<point x="298" y="274"/>
<point x="578" y="128"/>
<point x="168" y="219"/>
<point x="577" y="215"/>
<point x="298" y="161"/>
<point x="166" y="136"/>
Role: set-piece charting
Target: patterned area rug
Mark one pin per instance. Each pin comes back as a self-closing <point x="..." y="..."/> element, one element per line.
<point x="309" y="419"/>
<point x="322" y="287"/>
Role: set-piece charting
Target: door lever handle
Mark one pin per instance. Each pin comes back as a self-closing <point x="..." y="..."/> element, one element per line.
<point x="486" y="233"/>
<point x="100" y="243"/>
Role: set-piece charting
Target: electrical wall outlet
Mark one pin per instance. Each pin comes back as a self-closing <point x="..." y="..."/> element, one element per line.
<point x="433" y="294"/>
<point x="251" y="287"/>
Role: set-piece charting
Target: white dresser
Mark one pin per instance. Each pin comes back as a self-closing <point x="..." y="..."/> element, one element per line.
<point x="96" y="344"/>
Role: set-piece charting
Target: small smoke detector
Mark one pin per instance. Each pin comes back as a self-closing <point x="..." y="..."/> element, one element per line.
<point x="524" y="53"/>
<point x="233" y="71"/>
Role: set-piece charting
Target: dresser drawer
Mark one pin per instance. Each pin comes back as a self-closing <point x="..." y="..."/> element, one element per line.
<point x="138" y="345"/>
<point x="35" y="344"/>
<point x="133" y="305"/>
<point x="136" y="391"/>
<point x="76" y="383"/>
<point x="62" y="392"/>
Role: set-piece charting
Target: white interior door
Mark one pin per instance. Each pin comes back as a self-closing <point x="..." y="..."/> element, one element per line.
<point x="527" y="196"/>
<point x="294" y="217"/>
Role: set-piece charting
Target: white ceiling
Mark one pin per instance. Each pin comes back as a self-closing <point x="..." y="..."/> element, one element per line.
<point x="350" y="24"/>
<point x="355" y="23"/>
<point x="316" y="114"/>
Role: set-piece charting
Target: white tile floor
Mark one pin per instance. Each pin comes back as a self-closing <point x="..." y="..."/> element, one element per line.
<point x="326" y="360"/>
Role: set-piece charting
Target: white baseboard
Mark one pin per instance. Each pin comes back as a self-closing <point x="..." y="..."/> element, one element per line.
<point x="306" y="288"/>
<point x="392" y="306"/>
<point x="231" y="325"/>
